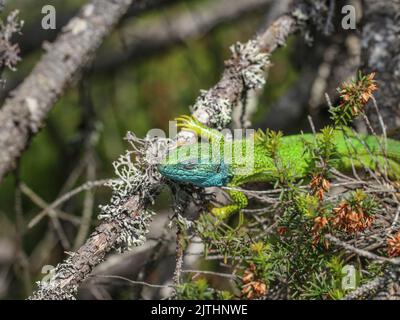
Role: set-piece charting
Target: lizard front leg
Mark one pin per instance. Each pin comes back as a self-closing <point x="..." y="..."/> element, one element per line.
<point x="240" y="201"/>
<point x="191" y="124"/>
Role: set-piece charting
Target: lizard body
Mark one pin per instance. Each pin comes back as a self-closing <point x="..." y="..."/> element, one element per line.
<point x="232" y="163"/>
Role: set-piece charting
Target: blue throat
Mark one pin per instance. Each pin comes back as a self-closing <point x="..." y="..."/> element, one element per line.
<point x="201" y="174"/>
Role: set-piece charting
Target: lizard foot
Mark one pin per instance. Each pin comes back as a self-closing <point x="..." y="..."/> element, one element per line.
<point x="191" y="124"/>
<point x="239" y="202"/>
<point x="224" y="212"/>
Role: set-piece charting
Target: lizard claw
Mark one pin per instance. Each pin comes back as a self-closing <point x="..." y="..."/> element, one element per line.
<point x="187" y="123"/>
<point x="190" y="123"/>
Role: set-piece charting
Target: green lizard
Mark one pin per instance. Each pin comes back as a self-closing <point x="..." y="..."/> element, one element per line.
<point x="232" y="163"/>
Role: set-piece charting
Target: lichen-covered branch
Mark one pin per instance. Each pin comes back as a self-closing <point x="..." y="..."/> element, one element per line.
<point x="125" y="221"/>
<point x="24" y="113"/>
<point x="376" y="288"/>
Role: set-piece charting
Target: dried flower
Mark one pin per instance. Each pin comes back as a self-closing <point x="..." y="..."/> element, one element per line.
<point x="248" y="276"/>
<point x="354" y="96"/>
<point x="282" y="230"/>
<point x="351" y="220"/>
<point x="319" y="224"/>
<point x="259" y="288"/>
<point x="393" y="243"/>
<point x="252" y="288"/>
<point x="319" y="186"/>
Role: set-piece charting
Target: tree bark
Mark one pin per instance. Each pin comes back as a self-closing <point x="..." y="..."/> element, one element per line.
<point x="381" y="54"/>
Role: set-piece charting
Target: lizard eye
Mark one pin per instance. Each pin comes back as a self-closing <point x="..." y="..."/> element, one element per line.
<point x="189" y="164"/>
<point x="220" y="166"/>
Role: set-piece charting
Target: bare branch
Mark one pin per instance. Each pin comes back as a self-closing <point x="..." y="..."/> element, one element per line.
<point x="217" y="274"/>
<point x="372" y="288"/>
<point x="152" y="37"/>
<point x="361" y="252"/>
<point x="85" y="187"/>
<point x="141" y="283"/>
<point x="34" y="35"/>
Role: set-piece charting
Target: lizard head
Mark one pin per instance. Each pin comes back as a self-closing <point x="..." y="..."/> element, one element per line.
<point x="195" y="164"/>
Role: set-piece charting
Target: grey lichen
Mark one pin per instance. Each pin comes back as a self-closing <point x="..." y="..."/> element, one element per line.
<point x="53" y="289"/>
<point x="9" y="51"/>
<point x="132" y="228"/>
<point x="214" y="111"/>
<point x="138" y="179"/>
<point x="252" y="63"/>
<point x="246" y="70"/>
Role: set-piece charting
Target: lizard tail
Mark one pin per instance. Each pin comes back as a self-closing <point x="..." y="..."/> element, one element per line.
<point x="389" y="148"/>
<point x="388" y="155"/>
<point x="393" y="150"/>
<point x="374" y="153"/>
